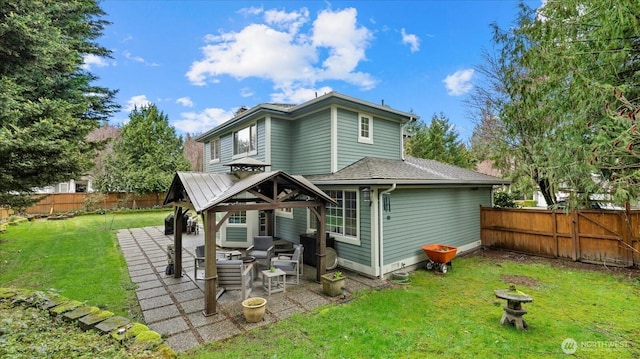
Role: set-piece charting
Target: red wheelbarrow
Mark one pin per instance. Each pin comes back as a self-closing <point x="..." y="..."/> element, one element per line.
<point x="439" y="256"/>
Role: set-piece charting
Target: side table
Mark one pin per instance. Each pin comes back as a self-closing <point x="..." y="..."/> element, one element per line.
<point x="271" y="281"/>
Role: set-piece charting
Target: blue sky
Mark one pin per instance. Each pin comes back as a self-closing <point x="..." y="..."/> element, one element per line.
<point x="199" y="61"/>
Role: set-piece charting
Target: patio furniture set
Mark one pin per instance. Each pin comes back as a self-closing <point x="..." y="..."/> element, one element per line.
<point x="237" y="269"/>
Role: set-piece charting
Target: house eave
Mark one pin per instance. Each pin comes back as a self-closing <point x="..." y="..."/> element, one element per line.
<point x="411" y="182"/>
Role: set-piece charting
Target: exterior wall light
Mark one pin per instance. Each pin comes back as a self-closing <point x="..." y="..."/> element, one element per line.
<point x="366" y="193"/>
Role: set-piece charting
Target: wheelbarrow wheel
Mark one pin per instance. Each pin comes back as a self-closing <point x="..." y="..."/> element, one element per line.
<point x="443" y="268"/>
<point x="429" y="265"/>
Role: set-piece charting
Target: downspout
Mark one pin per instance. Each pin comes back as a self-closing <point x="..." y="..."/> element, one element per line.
<point x="381" y="224"/>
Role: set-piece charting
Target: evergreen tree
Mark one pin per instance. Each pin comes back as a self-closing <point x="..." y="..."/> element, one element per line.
<point x="437" y="141"/>
<point x="145" y="157"/>
<point x="48" y="104"/>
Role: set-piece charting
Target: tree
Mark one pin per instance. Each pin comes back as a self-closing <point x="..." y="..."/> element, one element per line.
<point x="48" y="104"/>
<point x="558" y="66"/>
<point x="437" y="141"/>
<point x="146" y="156"/>
<point x="194" y="151"/>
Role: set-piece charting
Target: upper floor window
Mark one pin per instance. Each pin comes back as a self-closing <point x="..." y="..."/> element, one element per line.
<point x="215" y="149"/>
<point x="245" y="140"/>
<point x="365" y="128"/>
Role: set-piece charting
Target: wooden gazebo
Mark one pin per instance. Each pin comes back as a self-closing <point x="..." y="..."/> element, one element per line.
<point x="211" y="193"/>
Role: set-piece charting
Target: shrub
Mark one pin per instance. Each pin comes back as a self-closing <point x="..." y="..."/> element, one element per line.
<point x="504" y="200"/>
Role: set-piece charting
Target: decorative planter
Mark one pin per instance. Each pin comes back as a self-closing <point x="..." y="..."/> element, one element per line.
<point x="332" y="286"/>
<point x="253" y="309"/>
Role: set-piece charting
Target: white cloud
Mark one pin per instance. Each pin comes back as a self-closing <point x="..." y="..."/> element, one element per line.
<point x="197" y="122"/>
<point x="253" y="10"/>
<point x="93" y="60"/>
<point x="286" y="50"/>
<point x="459" y="83"/>
<point x="290" y="21"/>
<point x="338" y="31"/>
<point x="137" y="101"/>
<point x="128" y="55"/>
<point x="298" y="95"/>
<point x="246" y="92"/>
<point x="411" y="39"/>
<point x="185" y="101"/>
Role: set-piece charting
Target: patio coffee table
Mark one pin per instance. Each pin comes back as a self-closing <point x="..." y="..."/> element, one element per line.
<point x="271" y="281"/>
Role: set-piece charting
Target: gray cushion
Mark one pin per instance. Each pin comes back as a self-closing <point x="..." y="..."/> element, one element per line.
<point x="259" y="254"/>
<point x="285" y="266"/>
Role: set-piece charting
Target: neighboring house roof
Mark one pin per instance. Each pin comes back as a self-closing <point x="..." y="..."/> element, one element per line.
<point x="487" y="168"/>
<point x="372" y="170"/>
<point x="206" y="190"/>
<point x="294" y="111"/>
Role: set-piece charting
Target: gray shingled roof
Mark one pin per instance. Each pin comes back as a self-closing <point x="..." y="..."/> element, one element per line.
<point x="372" y="170"/>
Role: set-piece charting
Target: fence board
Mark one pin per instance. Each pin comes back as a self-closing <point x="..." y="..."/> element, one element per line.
<point x="594" y="236"/>
<point x="70" y="202"/>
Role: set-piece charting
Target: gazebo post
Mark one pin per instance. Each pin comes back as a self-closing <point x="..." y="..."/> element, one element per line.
<point x="177" y="242"/>
<point x="210" y="270"/>
<point x="321" y="243"/>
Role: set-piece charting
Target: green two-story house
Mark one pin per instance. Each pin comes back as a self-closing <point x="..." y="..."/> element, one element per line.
<point x="389" y="205"/>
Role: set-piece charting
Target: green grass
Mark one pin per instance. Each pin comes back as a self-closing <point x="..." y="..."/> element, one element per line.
<point x="444" y="316"/>
<point x="457" y="315"/>
<point x="77" y="257"/>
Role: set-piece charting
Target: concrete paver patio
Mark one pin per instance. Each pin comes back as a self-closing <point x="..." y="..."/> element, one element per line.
<point x="173" y="306"/>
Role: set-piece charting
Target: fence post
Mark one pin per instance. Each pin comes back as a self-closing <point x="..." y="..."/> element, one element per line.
<point x="575" y="235"/>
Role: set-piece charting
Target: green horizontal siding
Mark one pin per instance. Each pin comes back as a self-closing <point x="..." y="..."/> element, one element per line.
<point x="226" y="149"/>
<point x="311" y="144"/>
<point x="236" y="234"/>
<point x="291" y="228"/>
<point x="359" y="253"/>
<point x="281" y="144"/>
<point x="419" y="217"/>
<point x="386" y="139"/>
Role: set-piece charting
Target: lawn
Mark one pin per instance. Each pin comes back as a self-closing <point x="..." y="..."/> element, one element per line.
<point x="452" y="315"/>
<point x="457" y="316"/>
<point x="78" y="257"/>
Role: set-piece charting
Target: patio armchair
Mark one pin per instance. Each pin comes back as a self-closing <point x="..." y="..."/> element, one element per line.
<point x="291" y="264"/>
<point x="263" y="250"/>
<point x="233" y="274"/>
<point x="198" y="261"/>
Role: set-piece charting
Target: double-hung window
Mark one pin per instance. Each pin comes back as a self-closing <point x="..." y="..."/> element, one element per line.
<point x="214" y="149"/>
<point x="365" y="128"/>
<point x="245" y="141"/>
<point x="342" y="219"/>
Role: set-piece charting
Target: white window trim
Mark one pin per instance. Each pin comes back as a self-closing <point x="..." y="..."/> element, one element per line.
<point x="215" y="160"/>
<point x="237" y="225"/>
<point x="281" y="212"/>
<point x="362" y="139"/>
<point x="233" y="143"/>
<point x="341" y="237"/>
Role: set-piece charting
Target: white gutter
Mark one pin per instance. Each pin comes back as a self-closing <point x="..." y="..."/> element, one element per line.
<point x="381" y="224"/>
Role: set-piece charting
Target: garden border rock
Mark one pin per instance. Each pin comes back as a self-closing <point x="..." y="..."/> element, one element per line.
<point x="121" y="329"/>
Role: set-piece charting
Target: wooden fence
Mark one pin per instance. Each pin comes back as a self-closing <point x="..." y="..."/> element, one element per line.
<point x="593" y="236"/>
<point x="69" y="202"/>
